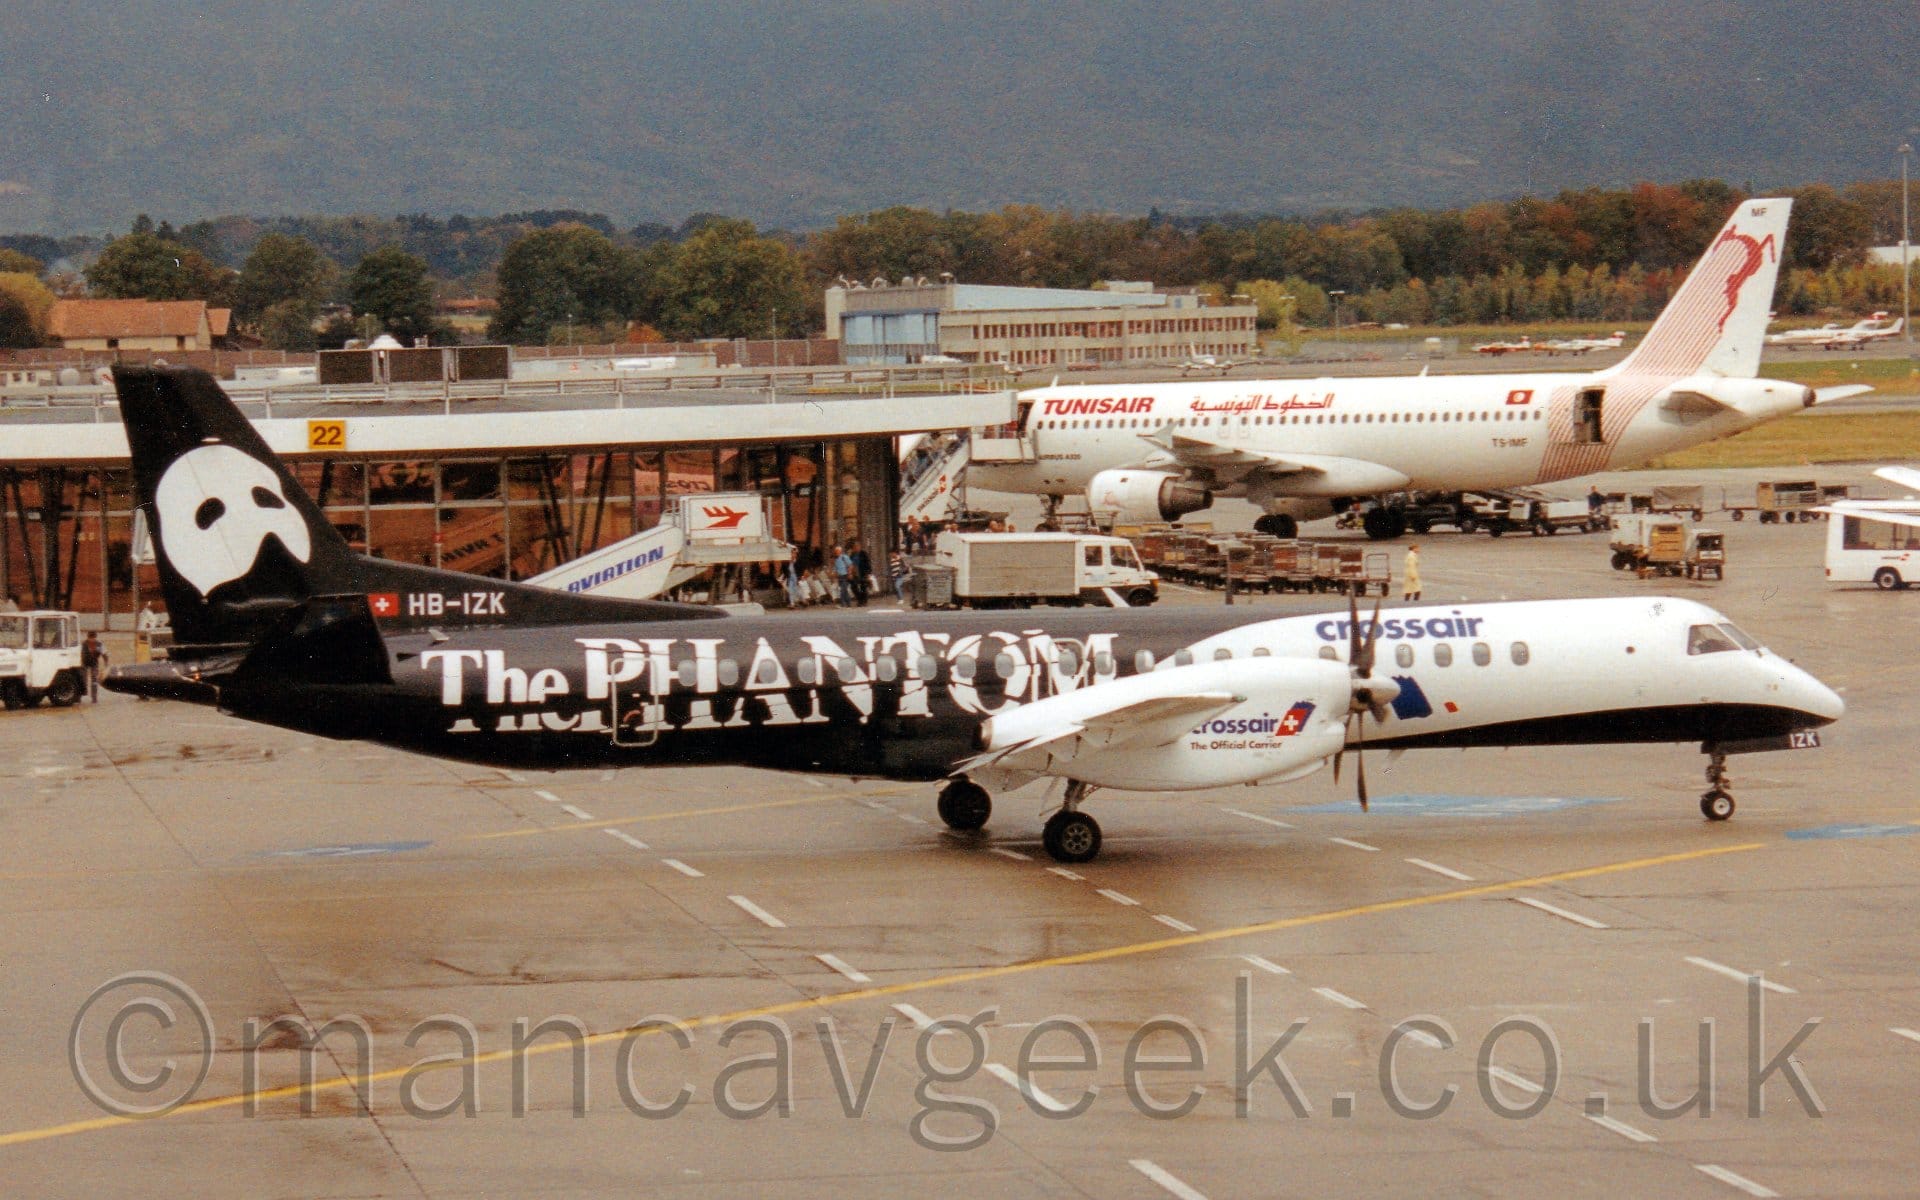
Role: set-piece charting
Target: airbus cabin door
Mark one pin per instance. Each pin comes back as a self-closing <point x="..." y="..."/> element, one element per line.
<point x="1586" y="416"/>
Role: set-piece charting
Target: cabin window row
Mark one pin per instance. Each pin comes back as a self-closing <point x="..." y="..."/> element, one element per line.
<point x="1315" y="419"/>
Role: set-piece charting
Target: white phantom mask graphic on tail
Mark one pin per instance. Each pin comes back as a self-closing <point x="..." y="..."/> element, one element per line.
<point x="217" y="508"/>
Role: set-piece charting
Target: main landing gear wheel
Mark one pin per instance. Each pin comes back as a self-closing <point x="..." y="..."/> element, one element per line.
<point x="1716" y="804"/>
<point x="1279" y="525"/>
<point x="1071" y="837"/>
<point x="964" y="805"/>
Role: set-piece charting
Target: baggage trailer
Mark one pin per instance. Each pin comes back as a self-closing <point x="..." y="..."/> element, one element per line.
<point x="1789" y="501"/>
<point x="1354" y="570"/>
<point x="1689" y="498"/>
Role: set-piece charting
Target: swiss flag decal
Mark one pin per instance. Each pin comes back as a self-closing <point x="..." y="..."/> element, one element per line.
<point x="384" y="604"/>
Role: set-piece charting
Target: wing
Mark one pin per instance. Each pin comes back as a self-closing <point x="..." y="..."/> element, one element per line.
<point x="1292" y="474"/>
<point x="1137" y="725"/>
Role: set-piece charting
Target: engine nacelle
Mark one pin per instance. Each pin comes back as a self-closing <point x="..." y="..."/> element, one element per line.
<point x="1138" y="497"/>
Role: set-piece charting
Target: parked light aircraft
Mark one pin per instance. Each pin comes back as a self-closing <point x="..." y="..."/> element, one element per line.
<point x="1834" y="336"/>
<point x="1304" y="448"/>
<point x="1196" y="362"/>
<point x="280" y="623"/>
<point x="1579" y="346"/>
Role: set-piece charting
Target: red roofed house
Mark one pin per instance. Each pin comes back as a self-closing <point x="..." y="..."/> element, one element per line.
<point x="137" y="324"/>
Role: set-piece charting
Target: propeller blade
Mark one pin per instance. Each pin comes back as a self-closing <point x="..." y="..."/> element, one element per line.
<point x="1365" y="665"/>
<point x="1360" y="777"/>
<point x="1353" y="634"/>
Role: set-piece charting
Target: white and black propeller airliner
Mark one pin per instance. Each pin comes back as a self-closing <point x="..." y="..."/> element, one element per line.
<point x="280" y="622"/>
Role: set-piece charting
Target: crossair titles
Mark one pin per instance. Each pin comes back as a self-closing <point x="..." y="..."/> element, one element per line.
<point x="628" y="680"/>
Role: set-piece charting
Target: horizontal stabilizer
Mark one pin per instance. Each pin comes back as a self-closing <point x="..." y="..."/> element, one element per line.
<point x="1828" y="395"/>
<point x="1904" y="476"/>
<point x="329" y="639"/>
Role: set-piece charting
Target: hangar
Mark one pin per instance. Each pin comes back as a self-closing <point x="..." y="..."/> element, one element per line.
<point x="502" y="478"/>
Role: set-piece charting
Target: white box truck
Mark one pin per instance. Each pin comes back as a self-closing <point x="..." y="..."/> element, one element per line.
<point x="1017" y="570"/>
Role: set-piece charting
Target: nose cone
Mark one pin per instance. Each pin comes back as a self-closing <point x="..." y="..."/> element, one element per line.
<point x="1817" y="703"/>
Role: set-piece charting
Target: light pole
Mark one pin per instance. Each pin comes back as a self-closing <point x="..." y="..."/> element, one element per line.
<point x="1334" y="295"/>
<point x="1906" y="277"/>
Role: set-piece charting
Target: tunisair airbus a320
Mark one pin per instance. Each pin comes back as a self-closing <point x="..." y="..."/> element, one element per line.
<point x="280" y="622"/>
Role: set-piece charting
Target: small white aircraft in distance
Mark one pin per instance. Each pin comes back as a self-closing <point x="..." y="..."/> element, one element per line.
<point x="1585" y="345"/>
<point x="1523" y="346"/>
<point x="1834" y="336"/>
<point x="1198" y="362"/>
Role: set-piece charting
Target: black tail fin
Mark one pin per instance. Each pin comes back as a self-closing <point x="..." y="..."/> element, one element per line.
<point x="236" y="539"/>
<point x="239" y="544"/>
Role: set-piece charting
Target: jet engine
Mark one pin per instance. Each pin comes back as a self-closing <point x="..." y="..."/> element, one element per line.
<point x="1137" y="497"/>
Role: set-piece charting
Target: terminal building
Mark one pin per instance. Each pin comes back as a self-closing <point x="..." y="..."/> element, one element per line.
<point x="505" y="478"/>
<point x="1119" y="325"/>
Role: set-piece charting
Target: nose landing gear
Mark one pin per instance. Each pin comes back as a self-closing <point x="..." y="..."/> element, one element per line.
<point x="1071" y="836"/>
<point x="1716" y="803"/>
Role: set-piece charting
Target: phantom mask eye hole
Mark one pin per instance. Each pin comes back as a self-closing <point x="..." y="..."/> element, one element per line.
<point x="217" y="506"/>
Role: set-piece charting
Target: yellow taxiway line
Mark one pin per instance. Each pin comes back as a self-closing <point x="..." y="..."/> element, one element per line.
<point x="881" y="991"/>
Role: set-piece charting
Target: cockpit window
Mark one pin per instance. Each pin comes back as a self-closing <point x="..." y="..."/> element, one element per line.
<point x="1738" y="635"/>
<point x="1708" y="639"/>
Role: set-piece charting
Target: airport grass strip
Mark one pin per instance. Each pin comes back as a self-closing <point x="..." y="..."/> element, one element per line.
<point x="1129" y="950"/>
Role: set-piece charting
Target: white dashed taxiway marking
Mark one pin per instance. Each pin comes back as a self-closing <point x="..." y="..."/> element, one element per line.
<point x="1006" y="853"/>
<point x="1730" y="1179"/>
<point x="1520" y="1081"/>
<point x="920" y="1020"/>
<point x="835" y="962"/>
<point x="1116" y="897"/>
<point x="757" y="913"/>
<point x="576" y="812"/>
<point x="1742" y="976"/>
<point x="1063" y="873"/>
<point x="1174" y="923"/>
<point x="1355" y="845"/>
<point x="1562" y="913"/>
<point x="1340" y="998"/>
<point x="624" y="836"/>
<point x="1620" y="1127"/>
<point x="1277" y="824"/>
<point x="1025" y="1087"/>
<point x="1165" y="1179"/>
<point x="1271" y="968"/>
<point x="549" y="797"/>
<point x="1909" y="1034"/>
<point x="1437" y="869"/>
<point x="684" y="869"/>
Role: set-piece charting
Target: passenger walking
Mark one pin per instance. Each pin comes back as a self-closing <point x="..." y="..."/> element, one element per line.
<point x="93" y="660"/>
<point x="1410" y="583"/>
<point x="862" y="574"/>
<point x="842" y="577"/>
<point x="897" y="572"/>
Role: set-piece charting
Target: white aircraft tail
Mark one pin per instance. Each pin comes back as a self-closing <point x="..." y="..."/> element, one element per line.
<point x="1716" y="322"/>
